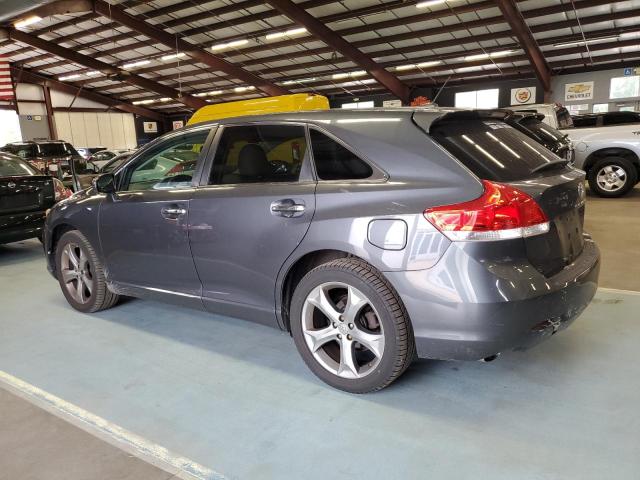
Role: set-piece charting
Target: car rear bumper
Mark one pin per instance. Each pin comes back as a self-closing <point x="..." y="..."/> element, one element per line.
<point x="22" y="226"/>
<point x="462" y="309"/>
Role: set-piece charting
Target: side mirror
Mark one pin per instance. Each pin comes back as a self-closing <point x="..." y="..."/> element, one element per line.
<point x="105" y="183"/>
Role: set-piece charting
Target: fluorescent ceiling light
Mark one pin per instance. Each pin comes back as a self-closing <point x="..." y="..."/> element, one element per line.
<point x="483" y="56"/>
<point x="143" y="102"/>
<point x="243" y="89"/>
<point x="287" y="33"/>
<point x="173" y="56"/>
<point x="201" y="94"/>
<point x="165" y="99"/>
<point x="430" y="3"/>
<point x="302" y="80"/>
<point x="224" y="46"/>
<point x="27" y="21"/>
<point x="139" y="63"/>
<point x="419" y="65"/>
<point x="339" y="76"/>
<point x="69" y="77"/>
<point x="585" y="42"/>
<point x="92" y="73"/>
<point x="215" y="92"/>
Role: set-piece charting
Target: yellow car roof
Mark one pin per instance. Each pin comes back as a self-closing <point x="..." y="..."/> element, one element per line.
<point x="296" y="102"/>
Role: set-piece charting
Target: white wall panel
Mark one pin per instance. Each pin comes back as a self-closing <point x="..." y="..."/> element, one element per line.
<point x="97" y="129"/>
<point x="92" y="129"/>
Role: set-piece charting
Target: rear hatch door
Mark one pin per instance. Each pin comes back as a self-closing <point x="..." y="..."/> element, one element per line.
<point x="20" y="194"/>
<point x="495" y="151"/>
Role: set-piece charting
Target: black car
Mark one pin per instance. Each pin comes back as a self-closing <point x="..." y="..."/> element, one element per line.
<point x="606" y="119"/>
<point x="25" y="195"/>
<point x="531" y="124"/>
<point x="48" y="156"/>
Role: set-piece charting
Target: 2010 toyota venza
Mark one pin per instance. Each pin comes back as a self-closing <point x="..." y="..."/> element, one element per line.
<point x="372" y="236"/>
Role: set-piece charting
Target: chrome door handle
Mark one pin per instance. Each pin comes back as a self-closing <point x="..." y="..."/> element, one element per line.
<point x="287" y="208"/>
<point x="173" y="212"/>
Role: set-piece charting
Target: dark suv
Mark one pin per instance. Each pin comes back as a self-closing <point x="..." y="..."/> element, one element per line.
<point x="52" y="157"/>
<point x="606" y="119"/>
<point x="373" y="236"/>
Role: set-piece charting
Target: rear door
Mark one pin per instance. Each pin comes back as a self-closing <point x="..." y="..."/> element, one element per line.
<point x="495" y="151"/>
<point x="253" y="208"/>
<point x="23" y="189"/>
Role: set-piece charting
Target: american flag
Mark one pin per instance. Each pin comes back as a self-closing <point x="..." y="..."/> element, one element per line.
<point x="6" y="87"/>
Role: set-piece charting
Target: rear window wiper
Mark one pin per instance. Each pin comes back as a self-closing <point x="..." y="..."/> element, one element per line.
<point x="545" y="166"/>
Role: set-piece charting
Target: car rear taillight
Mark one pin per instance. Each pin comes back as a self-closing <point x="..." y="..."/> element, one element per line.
<point x="501" y="212"/>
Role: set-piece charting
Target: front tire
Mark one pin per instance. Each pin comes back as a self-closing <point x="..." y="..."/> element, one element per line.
<point x="81" y="274"/>
<point x="351" y="327"/>
<point x="612" y="177"/>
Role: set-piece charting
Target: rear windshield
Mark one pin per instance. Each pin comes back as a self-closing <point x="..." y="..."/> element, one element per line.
<point x="55" y="149"/>
<point x="492" y="149"/>
<point x="543" y="131"/>
<point x="14" y="167"/>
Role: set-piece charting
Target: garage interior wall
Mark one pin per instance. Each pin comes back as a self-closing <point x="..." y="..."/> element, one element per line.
<point x="97" y="129"/>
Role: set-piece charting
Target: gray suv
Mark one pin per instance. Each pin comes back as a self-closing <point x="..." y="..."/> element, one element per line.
<point x="372" y="236"/>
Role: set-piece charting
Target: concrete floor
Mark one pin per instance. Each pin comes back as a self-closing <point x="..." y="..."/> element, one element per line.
<point x="235" y="396"/>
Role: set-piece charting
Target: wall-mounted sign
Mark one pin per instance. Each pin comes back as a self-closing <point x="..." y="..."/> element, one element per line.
<point x="150" y="127"/>
<point x="178" y="124"/>
<point x="578" y="108"/>
<point x="522" y="96"/>
<point x="578" y="91"/>
<point x="391" y="103"/>
<point x="632" y="71"/>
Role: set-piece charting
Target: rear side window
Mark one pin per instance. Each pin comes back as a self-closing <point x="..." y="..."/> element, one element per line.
<point x="259" y="154"/>
<point x="491" y="149"/>
<point x="542" y="130"/>
<point x="335" y="162"/>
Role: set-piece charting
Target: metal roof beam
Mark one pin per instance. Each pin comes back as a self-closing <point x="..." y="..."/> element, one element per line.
<point x="328" y="36"/>
<point x="112" y="71"/>
<point x="521" y="30"/>
<point x="173" y="41"/>
<point x="26" y="76"/>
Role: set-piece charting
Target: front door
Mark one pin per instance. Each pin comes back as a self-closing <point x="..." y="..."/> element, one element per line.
<point x="249" y="214"/>
<point x="144" y="226"/>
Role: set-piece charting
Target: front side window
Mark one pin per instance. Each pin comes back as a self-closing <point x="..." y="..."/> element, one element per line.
<point x="259" y="154"/>
<point x="169" y="165"/>
<point x="335" y="162"/>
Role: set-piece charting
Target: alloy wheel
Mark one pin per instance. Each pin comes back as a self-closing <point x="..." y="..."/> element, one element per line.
<point x="611" y="178"/>
<point x="76" y="273"/>
<point x="342" y="330"/>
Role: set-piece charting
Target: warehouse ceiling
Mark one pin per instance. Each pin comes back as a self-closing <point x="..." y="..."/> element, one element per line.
<point x="172" y="55"/>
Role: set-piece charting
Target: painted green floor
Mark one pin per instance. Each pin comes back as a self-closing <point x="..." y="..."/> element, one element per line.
<point x="235" y="397"/>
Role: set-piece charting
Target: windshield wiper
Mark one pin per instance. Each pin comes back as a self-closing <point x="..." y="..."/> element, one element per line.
<point x="545" y="166"/>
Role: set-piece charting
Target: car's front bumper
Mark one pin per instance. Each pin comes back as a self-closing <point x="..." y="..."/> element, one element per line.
<point x="462" y="309"/>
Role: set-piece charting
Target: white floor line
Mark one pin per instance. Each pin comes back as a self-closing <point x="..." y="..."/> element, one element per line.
<point x="617" y="290"/>
<point x="113" y="434"/>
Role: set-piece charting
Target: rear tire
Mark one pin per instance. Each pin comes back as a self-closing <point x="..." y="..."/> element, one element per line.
<point x="350" y="326"/>
<point x="612" y="177"/>
<point x="81" y="274"/>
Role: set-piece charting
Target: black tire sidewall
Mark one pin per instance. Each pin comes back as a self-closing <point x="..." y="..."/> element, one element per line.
<point x="76" y="237"/>
<point x="626" y="165"/>
<point x="387" y="364"/>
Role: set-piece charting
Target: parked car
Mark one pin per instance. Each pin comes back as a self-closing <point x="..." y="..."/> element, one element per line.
<point x="48" y="156"/>
<point x="84" y="170"/>
<point x="25" y="195"/>
<point x="605" y="119"/>
<point x="532" y="125"/>
<point x="609" y="155"/>
<point x="103" y="157"/>
<point x="86" y="152"/>
<point x="372" y="236"/>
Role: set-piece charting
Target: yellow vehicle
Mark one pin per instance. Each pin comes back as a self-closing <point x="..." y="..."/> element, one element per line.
<point x="296" y="102"/>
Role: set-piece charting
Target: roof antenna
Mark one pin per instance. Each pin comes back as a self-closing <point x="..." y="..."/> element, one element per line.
<point x="440" y="90"/>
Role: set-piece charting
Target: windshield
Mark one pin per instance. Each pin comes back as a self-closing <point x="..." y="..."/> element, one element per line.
<point x="114" y="163"/>
<point x="564" y="118"/>
<point x="492" y="149"/>
<point x="545" y="132"/>
<point x="15" y="167"/>
<point x="55" y="149"/>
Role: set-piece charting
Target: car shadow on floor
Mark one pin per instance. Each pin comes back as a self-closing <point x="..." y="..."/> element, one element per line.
<point x="18" y="252"/>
